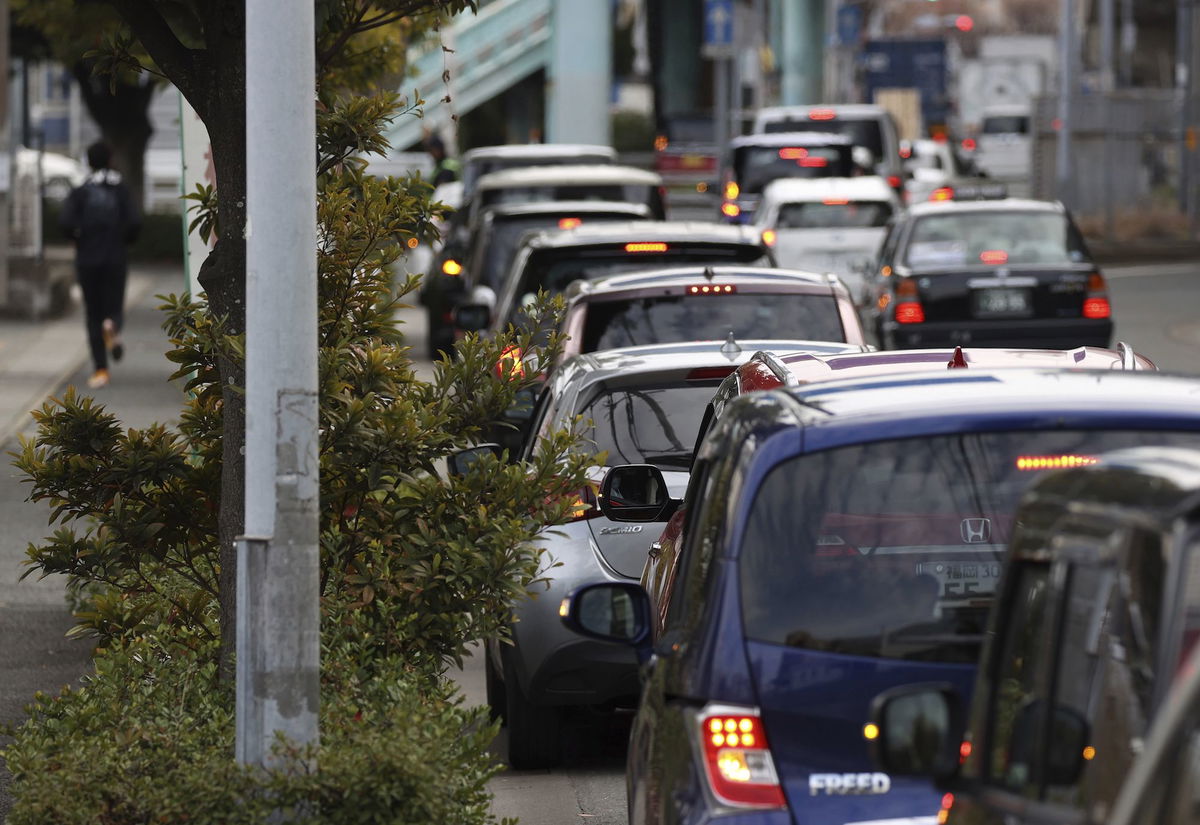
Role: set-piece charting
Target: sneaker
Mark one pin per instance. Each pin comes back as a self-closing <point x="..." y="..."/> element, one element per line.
<point x="112" y="340"/>
<point x="99" y="379"/>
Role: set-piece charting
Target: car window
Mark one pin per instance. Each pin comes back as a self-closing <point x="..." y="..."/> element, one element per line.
<point x="866" y="132"/>
<point x="833" y="213"/>
<point x="645" y="424"/>
<point x="756" y="166"/>
<point x="1006" y="125"/>
<point x="704" y="503"/>
<point x="499" y="245"/>
<point x="668" y="319"/>
<point x="977" y="237"/>
<point x="629" y="192"/>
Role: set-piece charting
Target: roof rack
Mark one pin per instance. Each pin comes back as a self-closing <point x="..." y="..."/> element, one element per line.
<point x="778" y="367"/>
<point x="1128" y="357"/>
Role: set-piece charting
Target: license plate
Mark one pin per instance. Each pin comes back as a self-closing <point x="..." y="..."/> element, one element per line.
<point x="1002" y="303"/>
<point x="962" y="579"/>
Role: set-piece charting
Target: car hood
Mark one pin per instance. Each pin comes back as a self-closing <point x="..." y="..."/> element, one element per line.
<point x="623" y="545"/>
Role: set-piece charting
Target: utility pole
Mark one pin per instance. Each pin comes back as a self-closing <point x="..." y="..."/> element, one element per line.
<point x="1183" y="82"/>
<point x="1066" y="87"/>
<point x="278" y="621"/>
<point x="1108" y="75"/>
<point x="6" y="157"/>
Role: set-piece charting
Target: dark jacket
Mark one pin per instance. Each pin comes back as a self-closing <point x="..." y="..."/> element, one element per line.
<point x="102" y="219"/>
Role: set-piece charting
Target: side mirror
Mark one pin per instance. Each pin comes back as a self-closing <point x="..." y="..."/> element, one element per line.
<point x="1068" y="733"/>
<point x="472" y="317"/>
<point x="612" y="611"/>
<point x="460" y="462"/>
<point x="917" y="730"/>
<point x="636" y="492"/>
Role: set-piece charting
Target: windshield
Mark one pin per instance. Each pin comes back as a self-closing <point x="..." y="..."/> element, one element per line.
<point x="1006" y="125"/>
<point x="485" y="166"/>
<point x="670" y="319"/>
<point x="501" y="246"/>
<point x="756" y="166"/>
<point x="627" y="193"/>
<point x="833" y="213"/>
<point x="1001" y="237"/>
<point x="863" y="132"/>
<point x="646" y="425"/>
<point x="893" y="549"/>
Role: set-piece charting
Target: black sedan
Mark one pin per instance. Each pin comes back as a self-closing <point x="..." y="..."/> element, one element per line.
<point x="1006" y="272"/>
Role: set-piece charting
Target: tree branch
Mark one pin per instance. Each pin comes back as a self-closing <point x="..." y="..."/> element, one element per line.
<point x="178" y="63"/>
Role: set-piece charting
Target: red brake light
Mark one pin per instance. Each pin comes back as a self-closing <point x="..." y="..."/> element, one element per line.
<point x="835" y="201"/>
<point x="738" y="762"/>
<point x="1097" y="308"/>
<point x="968" y="144"/>
<point x="993" y="256"/>
<point x="910" y="312"/>
<point x="709" y="373"/>
<point x="793" y="153"/>
<point x="646" y="246"/>
<point x="905" y="152"/>
<point x="944" y="814"/>
<point x="893" y="181"/>
<point x="569" y="223"/>
<point x="511" y="363"/>
<point x="942" y="193"/>
<point x="964" y="23"/>
<point x="813" y="163"/>
<point x="821" y="114"/>
<point x="964" y="752"/>
<point x="1053" y="462"/>
<point x="661" y="143"/>
<point x="711" y="289"/>
<point x="586" y="505"/>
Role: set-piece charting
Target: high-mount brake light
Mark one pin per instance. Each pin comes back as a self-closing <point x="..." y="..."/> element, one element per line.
<point x="737" y="760"/>
<point x="709" y="373"/>
<point x="942" y="193"/>
<point x="821" y="114"/>
<point x="451" y="267"/>
<point x="711" y="289"/>
<point x="1053" y="462"/>
<point x="569" y="223"/>
<point x="793" y="153"/>
<point x="836" y="201"/>
<point x="993" y="256"/>
<point x="769" y="237"/>
<point x="646" y="246"/>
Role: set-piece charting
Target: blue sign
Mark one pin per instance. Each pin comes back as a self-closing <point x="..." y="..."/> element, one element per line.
<point x="849" y="25"/>
<point x="718" y="27"/>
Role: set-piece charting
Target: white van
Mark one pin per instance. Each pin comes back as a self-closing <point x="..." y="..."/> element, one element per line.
<point x="1005" y="144"/>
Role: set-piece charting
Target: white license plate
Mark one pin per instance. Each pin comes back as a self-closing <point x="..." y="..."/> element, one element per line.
<point x="997" y="302"/>
<point x="962" y="579"/>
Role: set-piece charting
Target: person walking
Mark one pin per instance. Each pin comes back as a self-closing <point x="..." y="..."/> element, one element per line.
<point x="445" y="168"/>
<point x="102" y="219"/>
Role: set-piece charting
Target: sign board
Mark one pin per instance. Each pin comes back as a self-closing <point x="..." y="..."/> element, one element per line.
<point x="718" y="29"/>
<point x="849" y="25"/>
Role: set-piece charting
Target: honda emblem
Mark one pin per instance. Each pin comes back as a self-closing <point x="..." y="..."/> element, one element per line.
<point x="976" y="530"/>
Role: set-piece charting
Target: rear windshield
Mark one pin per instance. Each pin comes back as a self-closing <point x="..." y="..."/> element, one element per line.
<point x="863" y="132"/>
<point x="756" y="166"/>
<point x="893" y="549"/>
<point x="501" y="246"/>
<point x="833" y="213"/>
<point x="554" y="270"/>
<point x="670" y="319"/>
<point x="1001" y="237"/>
<point x="629" y="193"/>
<point x="1006" y="125"/>
<point x="478" y="168"/>
<point x="646" y="425"/>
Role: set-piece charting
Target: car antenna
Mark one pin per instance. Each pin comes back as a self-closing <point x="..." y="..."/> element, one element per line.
<point x="958" y="361"/>
<point x="730" y="347"/>
<point x="709" y="274"/>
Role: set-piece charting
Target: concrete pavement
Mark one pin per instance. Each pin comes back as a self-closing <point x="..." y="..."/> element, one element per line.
<point x="38" y="359"/>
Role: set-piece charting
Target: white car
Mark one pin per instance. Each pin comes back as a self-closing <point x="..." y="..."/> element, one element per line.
<point x="60" y="174"/>
<point x="828" y="224"/>
<point x="1004" y="145"/>
<point x="930" y="165"/>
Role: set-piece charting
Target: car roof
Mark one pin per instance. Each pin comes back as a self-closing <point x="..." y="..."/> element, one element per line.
<point x="633" y="210"/>
<point x="1003" y="109"/>
<point x="633" y="231"/>
<point x="528" y="151"/>
<point x="683" y="276"/>
<point x="768" y="113"/>
<point x="567" y="174"/>
<point x="986" y="205"/>
<point x="793" y="190"/>
<point x="791" y="139"/>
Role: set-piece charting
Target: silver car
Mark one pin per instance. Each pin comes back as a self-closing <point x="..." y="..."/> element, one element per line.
<point x="640" y="405"/>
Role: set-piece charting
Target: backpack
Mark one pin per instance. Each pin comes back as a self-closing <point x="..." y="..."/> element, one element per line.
<point x="101" y="209"/>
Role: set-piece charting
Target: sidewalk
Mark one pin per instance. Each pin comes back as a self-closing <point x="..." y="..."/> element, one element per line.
<point x="38" y="359"/>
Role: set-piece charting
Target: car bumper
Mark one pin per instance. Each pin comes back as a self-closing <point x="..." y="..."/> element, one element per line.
<point x="1051" y="334"/>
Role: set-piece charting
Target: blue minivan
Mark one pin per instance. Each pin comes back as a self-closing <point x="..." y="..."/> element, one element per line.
<point x="842" y="539"/>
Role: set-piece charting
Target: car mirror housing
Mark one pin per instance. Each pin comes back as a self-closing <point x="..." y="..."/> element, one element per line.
<point x="636" y="492"/>
<point x="917" y="730"/>
<point x="612" y="611"/>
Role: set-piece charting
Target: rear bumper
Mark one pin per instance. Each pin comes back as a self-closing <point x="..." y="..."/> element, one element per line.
<point x="586" y="672"/>
<point x="1051" y="334"/>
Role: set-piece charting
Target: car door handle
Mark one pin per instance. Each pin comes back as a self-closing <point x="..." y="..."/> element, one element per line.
<point x="655" y="549"/>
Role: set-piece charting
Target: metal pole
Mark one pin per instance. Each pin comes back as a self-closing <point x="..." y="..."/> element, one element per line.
<point x="1128" y="42"/>
<point x="1183" y="83"/>
<point x="6" y="157"/>
<point x="1066" y="86"/>
<point x="721" y="103"/>
<point x="1107" y="36"/>
<point x="278" y="630"/>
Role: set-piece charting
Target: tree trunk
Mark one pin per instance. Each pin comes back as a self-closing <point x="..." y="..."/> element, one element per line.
<point x="124" y="121"/>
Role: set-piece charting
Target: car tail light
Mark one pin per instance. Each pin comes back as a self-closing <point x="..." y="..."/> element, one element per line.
<point x="646" y="246"/>
<point x="711" y="289"/>
<point x="821" y="114"/>
<point x="451" y="267"/>
<point x="569" y="223"/>
<point x="737" y="760"/>
<point x="793" y="153"/>
<point x="511" y="363"/>
<point x="894" y="181"/>
<point x="1096" y="304"/>
<point x="968" y="144"/>
<point x="905" y="152"/>
<point x="1053" y="462"/>
<point x="730" y="210"/>
<point x="943" y="815"/>
<point x="813" y="163"/>
<point x="769" y="237"/>
<point x="942" y="193"/>
<point x="585" y="506"/>
<point x="908" y="304"/>
<point x="732" y="191"/>
<point x="661" y="143"/>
